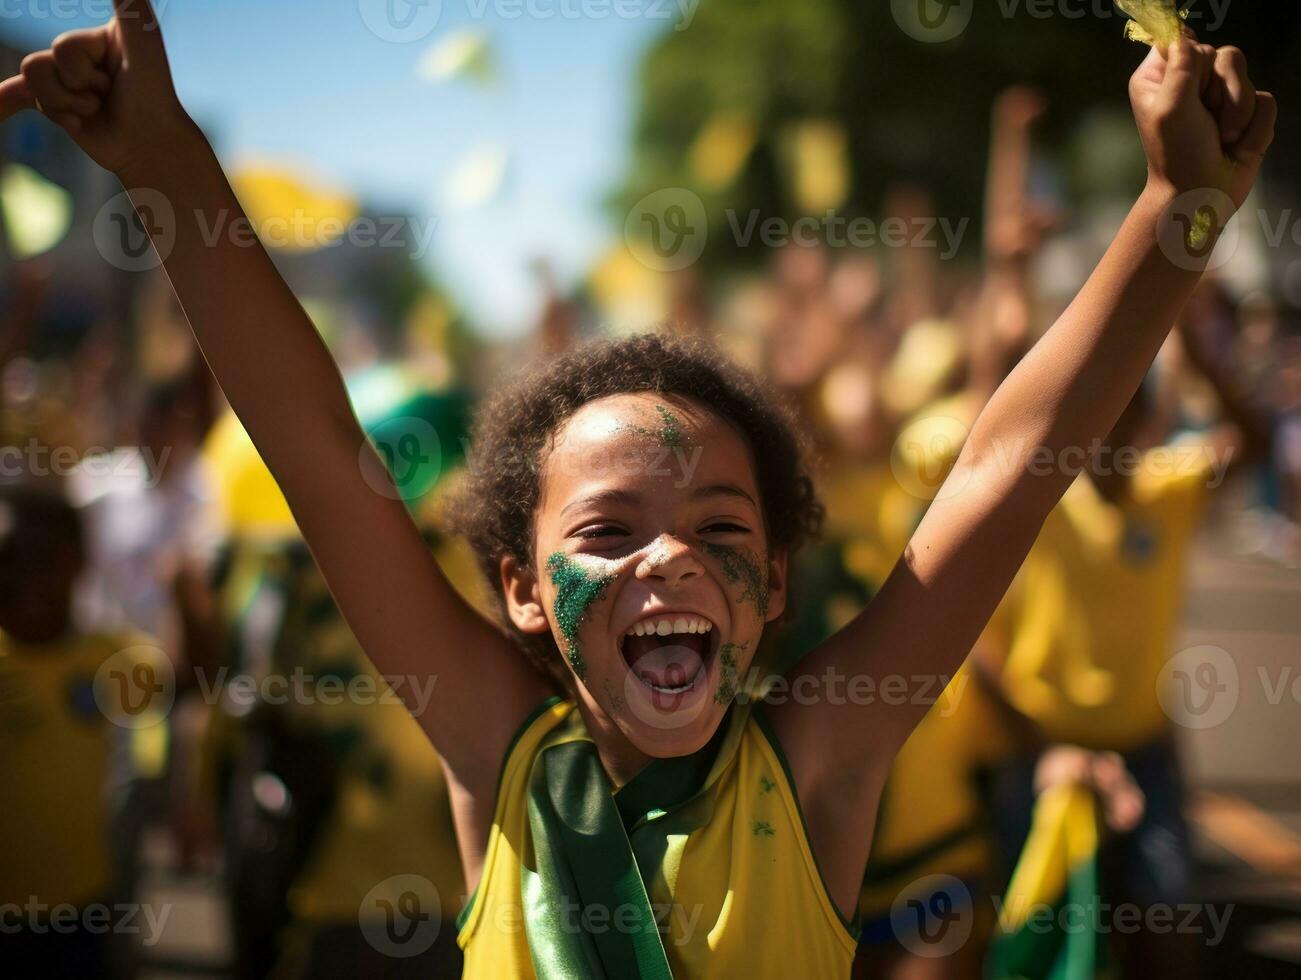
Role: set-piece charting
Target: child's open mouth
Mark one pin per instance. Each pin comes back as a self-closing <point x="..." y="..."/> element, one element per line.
<point x="669" y="652"/>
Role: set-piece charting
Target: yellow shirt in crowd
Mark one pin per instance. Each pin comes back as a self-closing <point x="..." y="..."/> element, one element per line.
<point x="1095" y="609"/>
<point x="55" y="740"/>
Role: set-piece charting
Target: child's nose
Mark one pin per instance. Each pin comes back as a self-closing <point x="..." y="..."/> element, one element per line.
<point x="669" y="561"/>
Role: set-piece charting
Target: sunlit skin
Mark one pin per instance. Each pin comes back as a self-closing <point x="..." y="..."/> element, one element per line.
<point x="619" y="498"/>
<point x="1204" y="128"/>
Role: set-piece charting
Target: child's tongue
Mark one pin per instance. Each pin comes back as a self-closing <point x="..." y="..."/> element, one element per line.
<point x="665" y="661"/>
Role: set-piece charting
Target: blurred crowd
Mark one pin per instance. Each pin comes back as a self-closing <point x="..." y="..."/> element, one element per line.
<point x="180" y="700"/>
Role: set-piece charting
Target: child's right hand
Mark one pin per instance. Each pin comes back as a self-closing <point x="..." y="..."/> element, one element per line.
<point x="1203" y="124"/>
<point x="108" y="87"/>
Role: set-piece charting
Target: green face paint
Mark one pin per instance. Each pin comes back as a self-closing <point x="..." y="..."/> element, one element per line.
<point x="576" y="590"/>
<point x="739" y="565"/>
<point x="668" y="434"/>
<point x="727" y="683"/>
<point x="617" y="701"/>
<point x="671" y="429"/>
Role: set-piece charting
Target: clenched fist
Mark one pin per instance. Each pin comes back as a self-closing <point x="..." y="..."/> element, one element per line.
<point x="1202" y="122"/>
<point x="109" y="87"/>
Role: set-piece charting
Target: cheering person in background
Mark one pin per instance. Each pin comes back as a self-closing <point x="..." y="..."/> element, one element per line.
<point x="618" y="813"/>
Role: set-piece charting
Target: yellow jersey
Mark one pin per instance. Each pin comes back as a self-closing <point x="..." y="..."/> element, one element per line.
<point x="737" y="894"/>
<point x="56" y="740"/>
<point x="1095" y="609"/>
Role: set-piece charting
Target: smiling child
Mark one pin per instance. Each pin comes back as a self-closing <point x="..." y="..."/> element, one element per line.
<point x="620" y="813"/>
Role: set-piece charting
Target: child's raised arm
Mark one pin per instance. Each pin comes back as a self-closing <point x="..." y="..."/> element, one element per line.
<point x="1205" y="130"/>
<point x="110" y="88"/>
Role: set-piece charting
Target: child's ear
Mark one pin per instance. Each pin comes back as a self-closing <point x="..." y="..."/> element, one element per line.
<point x="523" y="597"/>
<point x="776" y="584"/>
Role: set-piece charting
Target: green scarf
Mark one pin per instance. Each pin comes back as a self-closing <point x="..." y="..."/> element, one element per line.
<point x="595" y="854"/>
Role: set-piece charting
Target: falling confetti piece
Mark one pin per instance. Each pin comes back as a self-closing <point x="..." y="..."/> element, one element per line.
<point x="1154" y="22"/>
<point x="37" y="213"/>
<point x="464" y="54"/>
<point x="476" y="179"/>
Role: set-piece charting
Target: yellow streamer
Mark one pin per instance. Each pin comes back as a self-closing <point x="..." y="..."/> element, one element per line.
<point x="1154" y="22"/>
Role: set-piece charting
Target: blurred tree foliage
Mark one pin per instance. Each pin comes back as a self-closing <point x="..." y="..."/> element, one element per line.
<point x="911" y="111"/>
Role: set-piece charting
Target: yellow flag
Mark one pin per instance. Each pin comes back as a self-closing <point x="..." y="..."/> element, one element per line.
<point x="1154" y="22"/>
<point x="817" y="158"/>
<point x="720" y="150"/>
<point x="291" y="213"/>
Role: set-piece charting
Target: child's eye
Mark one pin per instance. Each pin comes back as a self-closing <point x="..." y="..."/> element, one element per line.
<point x="724" y="527"/>
<point x="598" y="531"/>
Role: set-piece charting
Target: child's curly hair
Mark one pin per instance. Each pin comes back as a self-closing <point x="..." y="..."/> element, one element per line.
<point x="514" y="432"/>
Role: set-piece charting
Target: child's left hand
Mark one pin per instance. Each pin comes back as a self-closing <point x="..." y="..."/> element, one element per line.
<point x="1122" y="801"/>
<point x="1202" y="121"/>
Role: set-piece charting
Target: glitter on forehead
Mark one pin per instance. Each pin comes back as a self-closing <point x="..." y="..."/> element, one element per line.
<point x="669" y="432"/>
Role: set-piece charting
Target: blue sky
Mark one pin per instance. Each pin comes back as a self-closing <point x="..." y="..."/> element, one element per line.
<point x="309" y="82"/>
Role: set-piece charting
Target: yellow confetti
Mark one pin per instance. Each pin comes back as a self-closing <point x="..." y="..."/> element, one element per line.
<point x="37" y="213"/>
<point x="1199" y="232"/>
<point x="1154" y="22"/>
